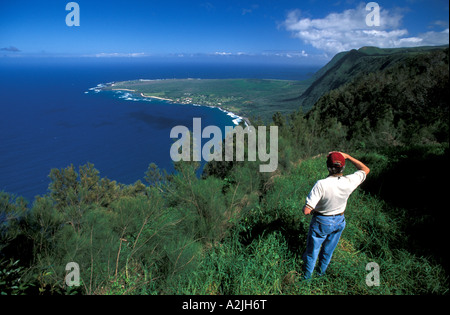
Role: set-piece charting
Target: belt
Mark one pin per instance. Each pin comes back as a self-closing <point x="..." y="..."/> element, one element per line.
<point x="327" y="215"/>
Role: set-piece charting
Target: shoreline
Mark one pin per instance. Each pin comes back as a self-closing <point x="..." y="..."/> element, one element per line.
<point x="236" y="119"/>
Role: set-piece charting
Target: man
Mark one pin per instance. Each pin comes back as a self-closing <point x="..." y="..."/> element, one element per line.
<point x="327" y="202"/>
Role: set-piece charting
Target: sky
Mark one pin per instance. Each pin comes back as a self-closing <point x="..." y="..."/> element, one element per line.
<point x="309" y="31"/>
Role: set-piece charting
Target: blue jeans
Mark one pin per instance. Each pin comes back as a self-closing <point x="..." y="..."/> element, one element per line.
<point x="323" y="237"/>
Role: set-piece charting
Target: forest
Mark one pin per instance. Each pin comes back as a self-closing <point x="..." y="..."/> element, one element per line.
<point x="234" y="230"/>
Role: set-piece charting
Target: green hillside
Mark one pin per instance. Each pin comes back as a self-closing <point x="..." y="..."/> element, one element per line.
<point x="405" y="103"/>
<point x="241" y="234"/>
<point x="347" y="66"/>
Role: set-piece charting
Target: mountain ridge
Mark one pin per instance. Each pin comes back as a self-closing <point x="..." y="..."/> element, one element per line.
<point x="347" y="66"/>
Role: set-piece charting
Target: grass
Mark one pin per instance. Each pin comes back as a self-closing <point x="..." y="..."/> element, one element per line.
<point x="209" y="238"/>
<point x="262" y="253"/>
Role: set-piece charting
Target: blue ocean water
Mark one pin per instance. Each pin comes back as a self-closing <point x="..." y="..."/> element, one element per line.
<point x="48" y="121"/>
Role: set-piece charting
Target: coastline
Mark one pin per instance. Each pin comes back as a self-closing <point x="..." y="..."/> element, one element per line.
<point x="236" y="119"/>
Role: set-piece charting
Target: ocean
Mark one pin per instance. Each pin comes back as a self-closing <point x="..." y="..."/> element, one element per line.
<point x="51" y="118"/>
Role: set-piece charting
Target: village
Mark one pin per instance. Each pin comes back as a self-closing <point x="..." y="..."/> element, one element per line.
<point x="207" y="100"/>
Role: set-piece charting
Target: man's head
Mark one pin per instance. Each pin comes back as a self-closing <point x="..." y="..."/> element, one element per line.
<point x="335" y="163"/>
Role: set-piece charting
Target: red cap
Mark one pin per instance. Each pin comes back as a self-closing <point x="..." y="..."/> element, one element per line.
<point x="336" y="159"/>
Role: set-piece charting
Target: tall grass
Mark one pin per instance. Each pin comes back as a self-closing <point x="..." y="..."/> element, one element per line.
<point x="242" y="234"/>
<point x="262" y="253"/>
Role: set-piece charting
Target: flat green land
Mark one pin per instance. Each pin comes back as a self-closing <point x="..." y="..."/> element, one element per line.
<point x="252" y="98"/>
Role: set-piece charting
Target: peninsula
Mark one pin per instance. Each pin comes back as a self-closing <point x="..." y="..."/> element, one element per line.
<point x="257" y="98"/>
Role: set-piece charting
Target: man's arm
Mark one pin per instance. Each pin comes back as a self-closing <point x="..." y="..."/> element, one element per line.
<point x="358" y="164"/>
<point x="313" y="198"/>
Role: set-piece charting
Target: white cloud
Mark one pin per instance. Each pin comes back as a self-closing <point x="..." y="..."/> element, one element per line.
<point x="285" y="54"/>
<point x="348" y="30"/>
<point x="222" y="53"/>
<point x="101" y="55"/>
<point x="434" y="38"/>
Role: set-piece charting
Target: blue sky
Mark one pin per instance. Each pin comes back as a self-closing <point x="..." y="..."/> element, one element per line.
<point x="309" y="31"/>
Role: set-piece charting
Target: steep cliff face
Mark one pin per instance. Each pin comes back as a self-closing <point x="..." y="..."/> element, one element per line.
<point x="400" y="96"/>
<point x="347" y="66"/>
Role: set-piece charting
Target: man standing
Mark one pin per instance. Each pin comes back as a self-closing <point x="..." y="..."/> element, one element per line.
<point x="326" y="202"/>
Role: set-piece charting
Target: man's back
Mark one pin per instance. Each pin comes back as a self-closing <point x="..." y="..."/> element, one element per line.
<point x="327" y="201"/>
<point x="329" y="196"/>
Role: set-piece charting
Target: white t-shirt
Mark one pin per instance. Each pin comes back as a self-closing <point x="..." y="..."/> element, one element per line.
<point x="329" y="196"/>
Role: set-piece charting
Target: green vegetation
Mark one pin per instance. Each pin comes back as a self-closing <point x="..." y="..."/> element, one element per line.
<point x="246" y="97"/>
<point x="235" y="230"/>
<point x="407" y="103"/>
<point x="346" y="67"/>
